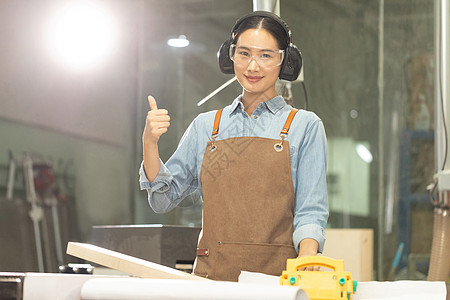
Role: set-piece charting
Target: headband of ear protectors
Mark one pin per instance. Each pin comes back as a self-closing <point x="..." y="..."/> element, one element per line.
<point x="292" y="62"/>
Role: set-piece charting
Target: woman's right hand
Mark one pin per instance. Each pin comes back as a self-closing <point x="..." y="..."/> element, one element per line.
<point x="156" y="124"/>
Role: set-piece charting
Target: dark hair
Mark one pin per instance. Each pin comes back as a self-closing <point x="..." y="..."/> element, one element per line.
<point x="269" y="24"/>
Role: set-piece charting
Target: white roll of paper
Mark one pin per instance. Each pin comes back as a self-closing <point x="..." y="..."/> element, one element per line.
<point x="165" y="289"/>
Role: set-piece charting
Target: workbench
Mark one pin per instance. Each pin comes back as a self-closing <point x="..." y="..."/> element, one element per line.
<point x="32" y="286"/>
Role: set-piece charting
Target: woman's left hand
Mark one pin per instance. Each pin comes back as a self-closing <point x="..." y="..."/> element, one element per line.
<point x="308" y="247"/>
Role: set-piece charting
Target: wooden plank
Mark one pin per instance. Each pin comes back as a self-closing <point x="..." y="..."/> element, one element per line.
<point x="355" y="247"/>
<point x="126" y="263"/>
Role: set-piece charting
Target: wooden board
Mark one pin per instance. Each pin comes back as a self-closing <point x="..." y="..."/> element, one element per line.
<point x="126" y="263"/>
<point x="355" y="247"/>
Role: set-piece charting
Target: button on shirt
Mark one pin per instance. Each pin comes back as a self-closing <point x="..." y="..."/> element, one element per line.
<point x="180" y="176"/>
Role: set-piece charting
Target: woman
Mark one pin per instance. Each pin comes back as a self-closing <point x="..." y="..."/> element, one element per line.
<point x="259" y="164"/>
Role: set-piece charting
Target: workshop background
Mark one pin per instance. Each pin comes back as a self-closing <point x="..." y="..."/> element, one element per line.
<point x="369" y="72"/>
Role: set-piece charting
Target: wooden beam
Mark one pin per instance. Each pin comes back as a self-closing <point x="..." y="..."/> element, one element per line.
<point x="126" y="263"/>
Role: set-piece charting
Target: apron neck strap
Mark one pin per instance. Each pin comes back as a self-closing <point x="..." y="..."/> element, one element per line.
<point x="287" y="125"/>
<point x="284" y="132"/>
<point x="216" y="124"/>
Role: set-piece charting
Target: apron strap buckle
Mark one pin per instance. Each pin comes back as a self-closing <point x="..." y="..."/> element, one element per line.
<point x="279" y="146"/>
<point x="202" y="252"/>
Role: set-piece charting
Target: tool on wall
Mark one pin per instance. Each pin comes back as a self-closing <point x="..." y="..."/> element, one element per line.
<point x="40" y="193"/>
<point x="36" y="213"/>
<point x="44" y="181"/>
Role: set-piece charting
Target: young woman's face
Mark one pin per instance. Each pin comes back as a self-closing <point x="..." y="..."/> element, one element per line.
<point x="258" y="69"/>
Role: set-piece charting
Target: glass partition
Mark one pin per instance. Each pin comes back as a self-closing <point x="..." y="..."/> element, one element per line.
<point x="369" y="75"/>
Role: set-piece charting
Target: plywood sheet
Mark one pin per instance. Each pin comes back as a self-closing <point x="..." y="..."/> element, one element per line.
<point x="126" y="263"/>
<point x="355" y="247"/>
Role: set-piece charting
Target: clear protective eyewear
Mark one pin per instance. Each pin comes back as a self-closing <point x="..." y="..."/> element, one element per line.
<point x="265" y="58"/>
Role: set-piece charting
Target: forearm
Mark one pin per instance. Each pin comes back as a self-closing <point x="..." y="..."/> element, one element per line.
<point x="151" y="160"/>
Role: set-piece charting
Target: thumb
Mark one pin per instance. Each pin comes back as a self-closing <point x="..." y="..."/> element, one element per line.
<point x="152" y="103"/>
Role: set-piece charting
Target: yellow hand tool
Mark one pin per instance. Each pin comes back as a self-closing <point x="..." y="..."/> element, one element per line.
<point x="320" y="285"/>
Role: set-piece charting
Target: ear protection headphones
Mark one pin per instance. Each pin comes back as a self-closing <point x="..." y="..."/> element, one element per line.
<point x="292" y="62"/>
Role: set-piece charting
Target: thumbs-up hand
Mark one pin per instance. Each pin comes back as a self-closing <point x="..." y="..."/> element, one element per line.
<point x="157" y="122"/>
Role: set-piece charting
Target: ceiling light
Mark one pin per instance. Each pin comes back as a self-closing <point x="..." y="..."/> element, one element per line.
<point x="179" y="42"/>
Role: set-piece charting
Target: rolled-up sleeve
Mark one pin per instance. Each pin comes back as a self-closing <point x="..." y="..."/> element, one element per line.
<point x="311" y="204"/>
<point x="162" y="179"/>
<point x="177" y="178"/>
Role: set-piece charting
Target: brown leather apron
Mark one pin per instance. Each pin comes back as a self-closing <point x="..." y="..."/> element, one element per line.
<point x="248" y="206"/>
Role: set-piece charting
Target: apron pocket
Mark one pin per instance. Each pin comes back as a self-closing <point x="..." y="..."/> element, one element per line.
<point x="232" y="258"/>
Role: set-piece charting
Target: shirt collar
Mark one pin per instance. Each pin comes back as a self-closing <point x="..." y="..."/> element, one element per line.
<point x="273" y="105"/>
<point x="236" y="103"/>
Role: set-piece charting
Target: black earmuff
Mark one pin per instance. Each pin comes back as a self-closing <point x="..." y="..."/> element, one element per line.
<point x="225" y="62"/>
<point x="292" y="62"/>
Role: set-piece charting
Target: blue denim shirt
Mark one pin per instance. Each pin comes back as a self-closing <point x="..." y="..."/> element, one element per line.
<point x="180" y="176"/>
